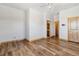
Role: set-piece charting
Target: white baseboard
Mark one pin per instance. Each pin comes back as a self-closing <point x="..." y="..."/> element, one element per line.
<point x="32" y="39"/>
<point x="9" y="40"/>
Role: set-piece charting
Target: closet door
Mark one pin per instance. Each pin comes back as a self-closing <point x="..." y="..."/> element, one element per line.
<point x="78" y="29"/>
<point x="73" y="33"/>
<point x="70" y="36"/>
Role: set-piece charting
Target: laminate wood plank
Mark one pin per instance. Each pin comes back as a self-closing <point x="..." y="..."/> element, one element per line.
<point x="42" y="47"/>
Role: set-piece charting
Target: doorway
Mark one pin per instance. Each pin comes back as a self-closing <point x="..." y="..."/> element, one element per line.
<point x="73" y="29"/>
<point x="56" y="28"/>
<point x="48" y="28"/>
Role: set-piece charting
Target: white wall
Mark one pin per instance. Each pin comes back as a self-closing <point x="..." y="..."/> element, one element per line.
<point x="11" y="23"/>
<point x="27" y="24"/>
<point x="18" y="24"/>
<point x="37" y="24"/>
<point x="63" y="32"/>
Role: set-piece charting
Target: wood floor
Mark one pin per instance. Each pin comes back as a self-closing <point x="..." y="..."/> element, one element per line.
<point x="43" y="47"/>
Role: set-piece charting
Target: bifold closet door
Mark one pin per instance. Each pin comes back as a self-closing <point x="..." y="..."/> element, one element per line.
<point x="78" y="29"/>
<point x="73" y="29"/>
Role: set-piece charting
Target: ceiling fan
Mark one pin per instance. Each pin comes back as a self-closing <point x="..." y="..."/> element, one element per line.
<point x="49" y="5"/>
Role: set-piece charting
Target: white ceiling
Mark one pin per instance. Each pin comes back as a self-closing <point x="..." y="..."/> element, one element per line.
<point x="55" y="7"/>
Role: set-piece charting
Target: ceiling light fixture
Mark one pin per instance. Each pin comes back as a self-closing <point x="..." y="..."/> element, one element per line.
<point x="49" y="6"/>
